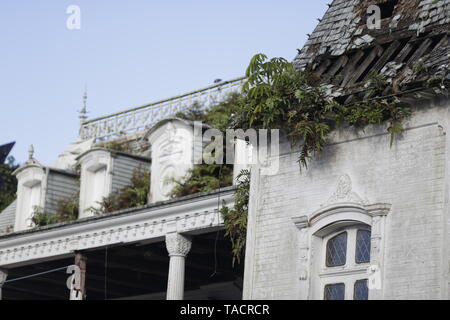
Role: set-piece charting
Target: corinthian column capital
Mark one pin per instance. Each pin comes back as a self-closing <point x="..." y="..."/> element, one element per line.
<point x="177" y="244"/>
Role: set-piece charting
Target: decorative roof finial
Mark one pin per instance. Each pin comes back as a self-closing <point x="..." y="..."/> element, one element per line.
<point x="83" y="110"/>
<point x="30" y="152"/>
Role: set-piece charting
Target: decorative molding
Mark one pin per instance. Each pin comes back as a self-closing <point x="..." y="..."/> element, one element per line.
<point x="177" y="244"/>
<point x="171" y="143"/>
<point x="143" y="225"/>
<point x="378" y="209"/>
<point x="301" y="222"/>
<point x="142" y="118"/>
<point x="344" y="192"/>
<point x="344" y="208"/>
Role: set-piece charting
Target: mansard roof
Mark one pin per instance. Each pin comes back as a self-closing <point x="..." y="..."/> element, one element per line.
<point x="115" y="152"/>
<point x="7" y="218"/>
<point x="344" y="49"/>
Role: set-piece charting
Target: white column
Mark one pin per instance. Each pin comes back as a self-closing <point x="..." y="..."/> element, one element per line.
<point x="3" y="276"/>
<point x="178" y="247"/>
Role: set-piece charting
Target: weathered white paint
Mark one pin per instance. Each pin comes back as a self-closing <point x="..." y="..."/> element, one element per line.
<point x="95" y="179"/>
<point x="172" y="147"/>
<point x="67" y="159"/>
<point x="42" y="187"/>
<point x="31" y="180"/>
<point x="191" y="216"/>
<point x="103" y="172"/>
<point x="410" y="244"/>
<point x="178" y="247"/>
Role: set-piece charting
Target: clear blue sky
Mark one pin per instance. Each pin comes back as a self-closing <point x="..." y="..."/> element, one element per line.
<point x="129" y="53"/>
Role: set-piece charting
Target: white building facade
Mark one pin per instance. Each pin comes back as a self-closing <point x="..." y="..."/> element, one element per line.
<point x="365" y="219"/>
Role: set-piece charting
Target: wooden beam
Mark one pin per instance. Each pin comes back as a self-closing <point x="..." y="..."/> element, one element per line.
<point x="323" y="67"/>
<point x="350" y="69"/>
<point x="404" y="53"/>
<point x="385" y="58"/>
<point x="420" y="51"/>
<point x="340" y="63"/>
<point x="363" y="67"/>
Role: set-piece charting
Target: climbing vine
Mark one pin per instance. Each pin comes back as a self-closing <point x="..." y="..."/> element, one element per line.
<point x="208" y="177"/>
<point x="235" y="220"/>
<point x="277" y="96"/>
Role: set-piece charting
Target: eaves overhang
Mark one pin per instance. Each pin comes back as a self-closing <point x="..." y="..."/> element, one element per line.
<point x="194" y="214"/>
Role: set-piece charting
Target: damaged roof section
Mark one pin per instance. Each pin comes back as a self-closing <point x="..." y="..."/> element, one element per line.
<point x="413" y="40"/>
<point x="344" y="25"/>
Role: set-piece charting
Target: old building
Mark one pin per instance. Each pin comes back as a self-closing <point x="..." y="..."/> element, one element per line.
<point x="367" y="219"/>
<point x="141" y="252"/>
<point x="363" y="210"/>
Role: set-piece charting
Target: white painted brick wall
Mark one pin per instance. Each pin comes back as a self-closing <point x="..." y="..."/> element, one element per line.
<point x="412" y="176"/>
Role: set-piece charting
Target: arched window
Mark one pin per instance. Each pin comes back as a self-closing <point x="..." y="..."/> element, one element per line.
<point x="343" y="272"/>
<point x="336" y="260"/>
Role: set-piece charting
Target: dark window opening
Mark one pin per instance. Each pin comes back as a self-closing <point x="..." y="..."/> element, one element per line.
<point x="361" y="290"/>
<point x="334" y="291"/>
<point x="387" y="8"/>
<point x="337" y="250"/>
<point x="362" y="254"/>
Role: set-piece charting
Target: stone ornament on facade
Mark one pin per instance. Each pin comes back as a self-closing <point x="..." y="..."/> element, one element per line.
<point x="177" y="244"/>
<point x="172" y="144"/>
<point x="152" y="224"/>
<point x="343" y="208"/>
<point x="344" y="192"/>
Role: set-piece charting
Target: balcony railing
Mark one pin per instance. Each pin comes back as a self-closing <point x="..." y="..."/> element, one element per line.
<point x="144" y="117"/>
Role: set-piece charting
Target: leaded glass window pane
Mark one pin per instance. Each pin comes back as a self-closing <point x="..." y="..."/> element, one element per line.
<point x="362" y="254"/>
<point x="334" y="291"/>
<point x="361" y="291"/>
<point x="337" y="250"/>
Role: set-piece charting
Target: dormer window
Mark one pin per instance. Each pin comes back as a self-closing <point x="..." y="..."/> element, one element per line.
<point x="104" y="172"/>
<point x="96" y="175"/>
<point x="40" y="188"/>
<point x="31" y="198"/>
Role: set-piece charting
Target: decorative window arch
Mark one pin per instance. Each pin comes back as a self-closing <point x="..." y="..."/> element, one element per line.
<point x="364" y="227"/>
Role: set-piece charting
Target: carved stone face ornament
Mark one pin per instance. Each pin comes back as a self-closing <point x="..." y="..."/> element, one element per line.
<point x="344" y="192"/>
<point x="172" y="147"/>
<point x="165" y="182"/>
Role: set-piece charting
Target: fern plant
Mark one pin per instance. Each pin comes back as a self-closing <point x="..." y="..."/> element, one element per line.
<point x="133" y="195"/>
<point x="235" y="220"/>
<point x="203" y="178"/>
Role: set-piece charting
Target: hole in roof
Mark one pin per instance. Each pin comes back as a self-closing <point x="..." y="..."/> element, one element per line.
<point x="387" y="8"/>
